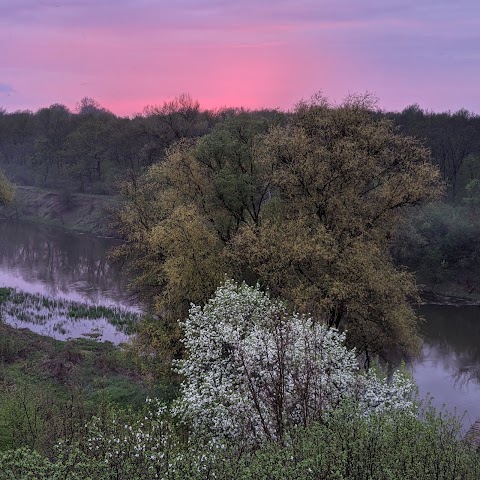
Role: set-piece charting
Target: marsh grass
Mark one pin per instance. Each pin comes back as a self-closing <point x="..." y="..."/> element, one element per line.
<point x="57" y="314"/>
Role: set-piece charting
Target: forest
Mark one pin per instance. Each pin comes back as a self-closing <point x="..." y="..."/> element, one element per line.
<point x="279" y="256"/>
<point x="92" y="150"/>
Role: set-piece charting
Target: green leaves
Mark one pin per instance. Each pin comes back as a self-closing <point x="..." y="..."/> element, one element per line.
<point x="307" y="207"/>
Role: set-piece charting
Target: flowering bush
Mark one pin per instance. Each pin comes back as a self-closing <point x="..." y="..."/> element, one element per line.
<point x="252" y="369"/>
<point x="145" y="442"/>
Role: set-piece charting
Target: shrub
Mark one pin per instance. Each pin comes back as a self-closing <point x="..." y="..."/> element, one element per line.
<point x="252" y="369"/>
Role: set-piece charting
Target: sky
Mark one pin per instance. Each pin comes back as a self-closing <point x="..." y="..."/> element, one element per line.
<point x="128" y="54"/>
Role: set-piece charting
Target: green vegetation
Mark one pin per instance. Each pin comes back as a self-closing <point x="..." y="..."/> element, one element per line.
<point x="91" y="150"/>
<point x="39" y="309"/>
<point x="48" y="388"/>
<point x="441" y="243"/>
<point x="454" y="141"/>
<point x="7" y="192"/>
<point x="325" y="207"/>
<point x="345" y="446"/>
<point x="307" y="209"/>
<point x="372" y="430"/>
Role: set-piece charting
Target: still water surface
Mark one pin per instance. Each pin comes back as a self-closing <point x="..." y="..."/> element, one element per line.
<point x="39" y="259"/>
<point x="450" y="367"/>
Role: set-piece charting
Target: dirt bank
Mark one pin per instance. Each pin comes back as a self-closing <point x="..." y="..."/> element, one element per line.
<point x="78" y="212"/>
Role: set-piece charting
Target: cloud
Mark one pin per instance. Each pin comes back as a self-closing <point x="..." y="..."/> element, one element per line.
<point x="227" y="14"/>
<point x="6" y="88"/>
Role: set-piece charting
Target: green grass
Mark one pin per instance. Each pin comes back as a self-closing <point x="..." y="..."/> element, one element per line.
<point x="48" y="387"/>
<point x="39" y="309"/>
<point x="4" y="294"/>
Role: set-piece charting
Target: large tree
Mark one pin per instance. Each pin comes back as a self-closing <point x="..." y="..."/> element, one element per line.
<point x="342" y="178"/>
<point x="180" y="216"/>
<point x="305" y="206"/>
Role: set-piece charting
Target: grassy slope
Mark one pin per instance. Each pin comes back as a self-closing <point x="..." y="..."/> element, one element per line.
<point x="100" y="370"/>
<point x="77" y="212"/>
<point x="56" y="383"/>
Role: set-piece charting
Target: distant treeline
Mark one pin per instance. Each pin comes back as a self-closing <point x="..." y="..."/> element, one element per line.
<point x="454" y="141"/>
<point x="91" y="149"/>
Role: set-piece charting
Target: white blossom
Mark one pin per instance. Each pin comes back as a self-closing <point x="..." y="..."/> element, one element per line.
<point x="252" y="369"/>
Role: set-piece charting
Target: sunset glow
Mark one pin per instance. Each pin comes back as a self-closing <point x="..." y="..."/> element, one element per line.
<point x="128" y="54"/>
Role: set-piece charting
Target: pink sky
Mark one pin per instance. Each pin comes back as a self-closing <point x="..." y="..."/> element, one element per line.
<point x="127" y="54"/>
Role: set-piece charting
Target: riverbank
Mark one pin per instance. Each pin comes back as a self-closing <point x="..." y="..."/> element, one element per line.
<point x="84" y="213"/>
<point x="49" y="388"/>
<point x="449" y="296"/>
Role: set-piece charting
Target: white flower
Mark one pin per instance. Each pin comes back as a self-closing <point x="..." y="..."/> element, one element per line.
<point x="252" y="368"/>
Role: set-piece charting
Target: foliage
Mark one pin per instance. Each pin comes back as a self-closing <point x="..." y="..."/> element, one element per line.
<point x="120" y="445"/>
<point x="350" y="447"/>
<point x="154" y="345"/>
<point x="452" y="137"/>
<point x="253" y="370"/>
<point x="4" y="294"/>
<point x="346" y="446"/>
<point x="344" y="178"/>
<point x="178" y="217"/>
<point x="90" y="149"/>
<point x="441" y="243"/>
<point x="125" y="444"/>
<point x="7" y="192"/>
<point x="48" y="388"/>
<point x="307" y="205"/>
<point x="242" y="343"/>
<point x="175" y="254"/>
<point x="37" y="417"/>
<point x="472" y="190"/>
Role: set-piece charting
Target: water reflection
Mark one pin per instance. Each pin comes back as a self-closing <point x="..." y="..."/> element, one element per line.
<point x="65" y="319"/>
<point x="66" y="329"/>
<point x="39" y="259"/>
<point x="450" y="367"/>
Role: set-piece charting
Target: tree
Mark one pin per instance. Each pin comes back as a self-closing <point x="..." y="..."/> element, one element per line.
<point x="452" y="137"/>
<point x="90" y="107"/>
<point x="441" y="242"/>
<point x="343" y="178"/>
<point x="177" y="118"/>
<point x="53" y="126"/>
<point x="179" y="217"/>
<point x="306" y="205"/>
<point x="162" y="125"/>
<point x="17" y="137"/>
<point x="7" y="192"/>
<point x="253" y="370"/>
<point x="87" y="152"/>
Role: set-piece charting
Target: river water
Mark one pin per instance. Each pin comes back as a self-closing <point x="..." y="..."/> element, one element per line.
<point x="49" y="261"/>
<point x="449" y="369"/>
<point x="44" y="260"/>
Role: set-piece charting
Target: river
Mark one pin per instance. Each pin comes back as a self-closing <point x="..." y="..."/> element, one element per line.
<point x="49" y="261"/>
<point x="38" y="259"/>
<point x="450" y="365"/>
